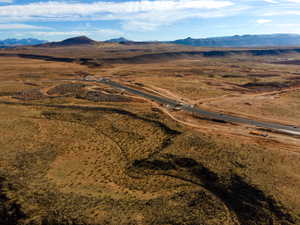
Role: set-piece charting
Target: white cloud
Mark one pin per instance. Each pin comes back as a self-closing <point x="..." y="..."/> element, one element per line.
<point x="64" y="10"/>
<point x="106" y="32"/>
<point x="281" y="1"/>
<point x="20" y="26"/>
<point x="152" y="20"/>
<point x="263" y="21"/>
<point x="57" y="33"/>
<point x="271" y="1"/>
<point x="283" y="13"/>
<point x="6" y="1"/>
<point x="139" y="14"/>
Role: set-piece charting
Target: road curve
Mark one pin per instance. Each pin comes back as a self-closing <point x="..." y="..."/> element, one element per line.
<point x="211" y="115"/>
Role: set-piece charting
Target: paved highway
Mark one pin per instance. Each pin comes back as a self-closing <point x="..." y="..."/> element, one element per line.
<point x="203" y="113"/>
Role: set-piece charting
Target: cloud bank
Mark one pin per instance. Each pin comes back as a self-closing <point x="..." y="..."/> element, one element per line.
<point x="14" y="26"/>
<point x="143" y="15"/>
<point x="139" y="14"/>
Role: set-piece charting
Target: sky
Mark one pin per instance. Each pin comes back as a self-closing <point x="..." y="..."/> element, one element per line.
<point x="146" y="20"/>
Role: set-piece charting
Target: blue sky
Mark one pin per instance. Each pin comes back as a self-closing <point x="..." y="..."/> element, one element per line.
<point x="146" y="20"/>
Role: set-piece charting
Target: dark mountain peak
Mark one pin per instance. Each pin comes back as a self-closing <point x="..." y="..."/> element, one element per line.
<point x="80" y="40"/>
<point x="118" y="40"/>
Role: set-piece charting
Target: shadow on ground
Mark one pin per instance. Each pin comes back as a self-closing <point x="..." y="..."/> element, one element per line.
<point x="250" y="205"/>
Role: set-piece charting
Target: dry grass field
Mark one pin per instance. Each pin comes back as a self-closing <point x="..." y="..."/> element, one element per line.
<point x="81" y="153"/>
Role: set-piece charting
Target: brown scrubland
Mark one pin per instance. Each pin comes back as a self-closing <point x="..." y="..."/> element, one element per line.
<point x="77" y="152"/>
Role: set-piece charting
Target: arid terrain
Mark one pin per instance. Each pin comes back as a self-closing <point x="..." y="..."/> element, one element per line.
<point x="83" y="153"/>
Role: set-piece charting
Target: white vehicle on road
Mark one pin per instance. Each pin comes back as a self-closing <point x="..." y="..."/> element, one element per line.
<point x="90" y="78"/>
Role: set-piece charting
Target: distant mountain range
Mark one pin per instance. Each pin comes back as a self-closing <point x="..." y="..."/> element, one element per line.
<point x="229" y="41"/>
<point x="243" y="41"/>
<point x="118" y="40"/>
<point x="15" y="42"/>
<point x="83" y="40"/>
<point x="125" y="41"/>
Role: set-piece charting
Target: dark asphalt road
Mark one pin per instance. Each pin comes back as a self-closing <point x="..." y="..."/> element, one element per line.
<point x="204" y="113"/>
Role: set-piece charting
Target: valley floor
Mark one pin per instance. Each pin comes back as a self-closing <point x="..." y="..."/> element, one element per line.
<point x="76" y="152"/>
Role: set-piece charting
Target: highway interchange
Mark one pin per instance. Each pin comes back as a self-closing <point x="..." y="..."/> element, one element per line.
<point x="200" y="112"/>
